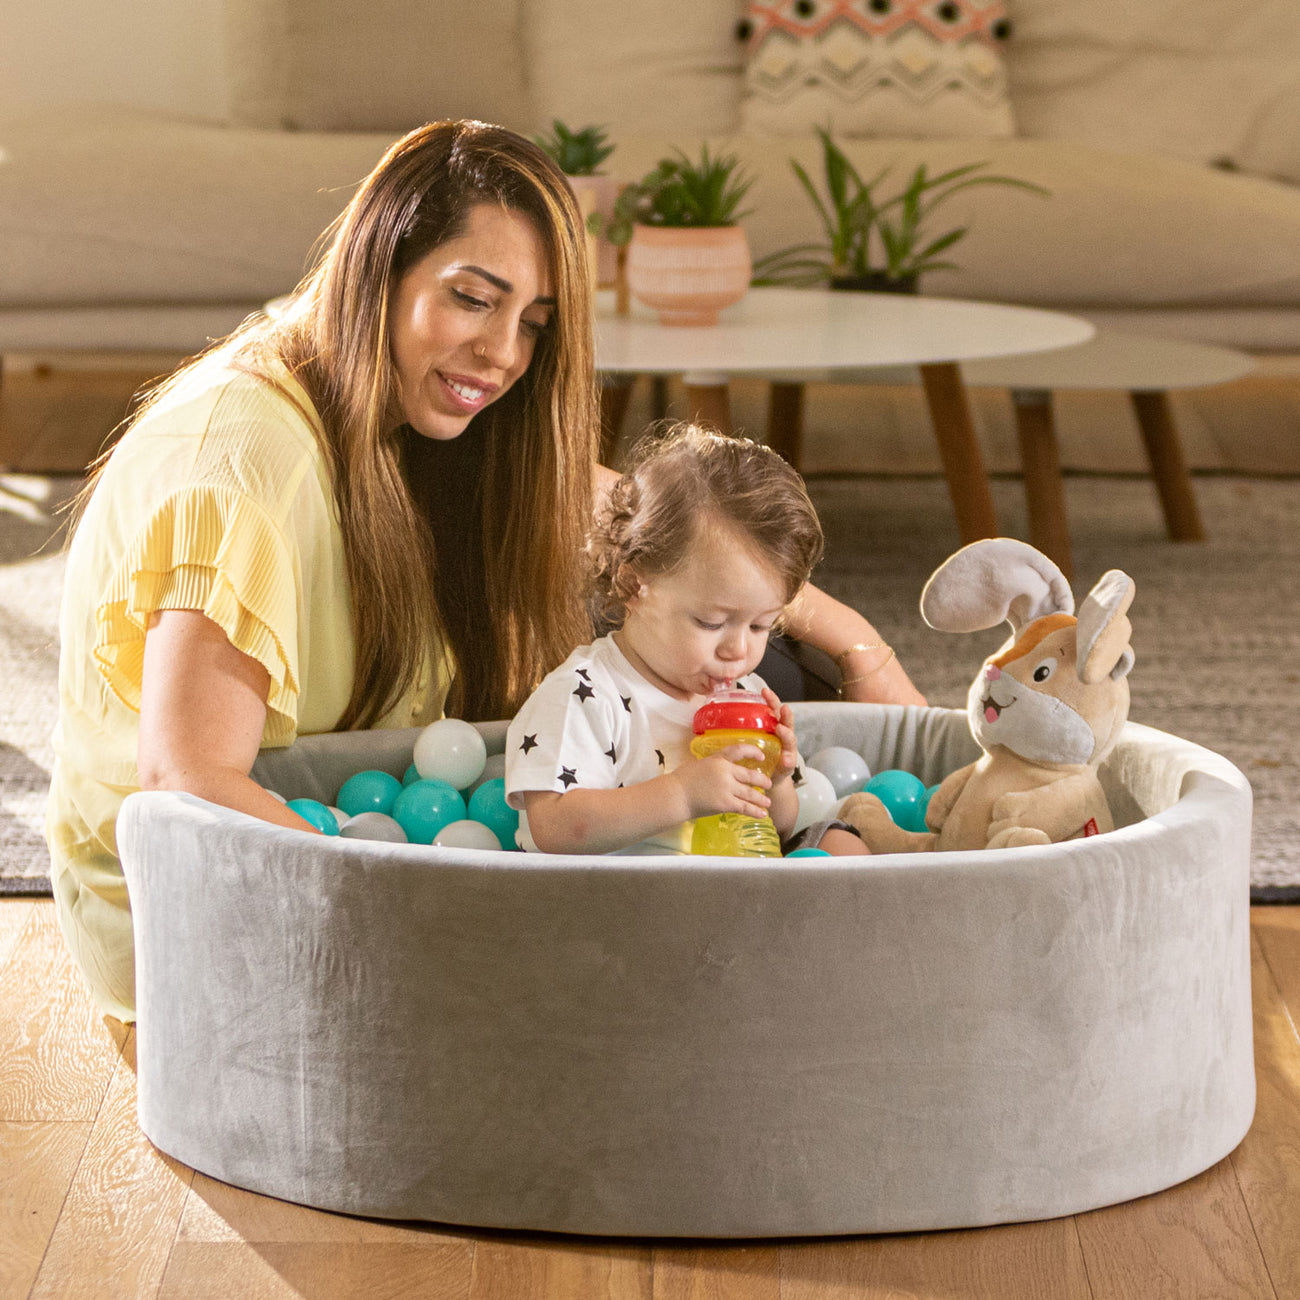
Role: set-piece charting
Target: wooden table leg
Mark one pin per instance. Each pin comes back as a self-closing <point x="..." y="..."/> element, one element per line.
<point x="1040" y="462"/>
<point x="1168" y="466"/>
<point x="709" y="403"/>
<point x="959" y="449"/>
<point x="658" y="397"/>
<point x="615" y="394"/>
<point x="785" y="421"/>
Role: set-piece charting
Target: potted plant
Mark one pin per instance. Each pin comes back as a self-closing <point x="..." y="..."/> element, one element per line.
<point x="687" y="255"/>
<point x="871" y="242"/>
<point x="579" y="155"/>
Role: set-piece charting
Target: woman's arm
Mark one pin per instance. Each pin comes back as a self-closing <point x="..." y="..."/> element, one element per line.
<point x="869" y="669"/>
<point x="202" y="711"/>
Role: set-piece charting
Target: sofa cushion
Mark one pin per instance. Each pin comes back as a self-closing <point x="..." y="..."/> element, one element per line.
<point x="110" y="208"/>
<point x="673" y="67"/>
<point x="1204" y="80"/>
<point x="101" y="206"/>
<point x="884" y="68"/>
<point x="386" y="65"/>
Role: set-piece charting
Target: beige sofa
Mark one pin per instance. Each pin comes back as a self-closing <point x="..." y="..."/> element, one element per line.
<point x="1165" y="131"/>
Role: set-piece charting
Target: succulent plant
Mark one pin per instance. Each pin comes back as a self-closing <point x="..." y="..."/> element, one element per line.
<point x="682" y="192"/>
<point x="577" y="153"/>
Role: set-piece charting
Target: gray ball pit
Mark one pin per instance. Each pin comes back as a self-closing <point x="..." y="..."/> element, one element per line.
<point x="694" y="1047"/>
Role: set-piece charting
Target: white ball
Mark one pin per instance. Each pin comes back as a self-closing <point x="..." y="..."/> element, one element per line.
<point x="372" y="826"/>
<point x="816" y="798"/>
<point x="846" y="768"/>
<point x="339" y="815"/>
<point x="466" y="834"/>
<point x="494" y="767"/>
<point x="450" y="750"/>
<point x="275" y="794"/>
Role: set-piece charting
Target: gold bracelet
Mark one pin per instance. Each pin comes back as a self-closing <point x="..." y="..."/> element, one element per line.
<point x="862" y="677"/>
<point x="853" y="649"/>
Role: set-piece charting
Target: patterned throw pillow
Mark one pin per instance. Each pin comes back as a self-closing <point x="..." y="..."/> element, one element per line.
<point x="876" y="67"/>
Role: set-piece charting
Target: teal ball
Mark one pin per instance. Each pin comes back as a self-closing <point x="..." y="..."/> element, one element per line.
<point x="424" y="807"/>
<point x="412" y="774"/>
<point x="369" y="791"/>
<point x="316" y="813"/>
<point x="901" y="793"/>
<point x="923" y="806"/>
<point x="808" y="853"/>
<point x="488" y="805"/>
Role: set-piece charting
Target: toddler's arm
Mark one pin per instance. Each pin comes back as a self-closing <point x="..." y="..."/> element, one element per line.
<point x="600" y="821"/>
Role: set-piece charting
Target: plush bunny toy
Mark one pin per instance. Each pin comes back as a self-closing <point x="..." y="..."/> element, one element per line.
<point x="1046" y="708"/>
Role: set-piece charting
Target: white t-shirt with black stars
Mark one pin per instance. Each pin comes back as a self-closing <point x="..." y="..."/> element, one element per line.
<point x="596" y="722"/>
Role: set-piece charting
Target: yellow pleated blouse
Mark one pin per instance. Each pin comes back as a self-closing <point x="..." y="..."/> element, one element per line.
<point x="217" y="500"/>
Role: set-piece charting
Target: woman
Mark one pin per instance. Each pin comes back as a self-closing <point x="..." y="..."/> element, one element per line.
<point x="360" y="514"/>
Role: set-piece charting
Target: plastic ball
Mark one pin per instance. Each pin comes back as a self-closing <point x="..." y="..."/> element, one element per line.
<point x="369" y="791"/>
<point x="846" y="768"/>
<point x="494" y="768"/>
<point x="339" y="816"/>
<point x="922" y="806"/>
<point x="275" y="794"/>
<point x="488" y="805"/>
<point x="425" y="807"/>
<point x="316" y="813"/>
<point x="901" y="793"/>
<point x="809" y="852"/>
<point x="816" y="798"/>
<point x="373" y="826"/>
<point x="466" y="834"/>
<point x="450" y="750"/>
<point x="412" y="774"/>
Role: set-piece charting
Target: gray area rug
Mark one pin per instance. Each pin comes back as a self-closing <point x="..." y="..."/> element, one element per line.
<point x="1216" y="627"/>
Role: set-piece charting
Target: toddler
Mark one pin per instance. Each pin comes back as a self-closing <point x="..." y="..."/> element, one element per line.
<point x="702" y="545"/>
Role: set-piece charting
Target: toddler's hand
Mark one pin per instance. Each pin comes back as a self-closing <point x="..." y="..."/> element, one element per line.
<point x="720" y="783"/>
<point x="784" y="733"/>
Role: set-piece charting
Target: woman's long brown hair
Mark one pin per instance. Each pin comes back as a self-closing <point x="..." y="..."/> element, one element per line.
<point x="474" y="545"/>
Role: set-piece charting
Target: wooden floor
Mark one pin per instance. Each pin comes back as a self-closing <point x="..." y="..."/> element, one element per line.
<point x="89" y="1208"/>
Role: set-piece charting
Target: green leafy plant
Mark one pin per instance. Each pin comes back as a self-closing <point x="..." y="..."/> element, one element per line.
<point x="866" y="235"/>
<point x="577" y="153"/>
<point x="682" y="192"/>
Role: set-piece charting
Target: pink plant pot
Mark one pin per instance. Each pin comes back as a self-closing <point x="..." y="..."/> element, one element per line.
<point x="688" y="274"/>
<point x="596" y="194"/>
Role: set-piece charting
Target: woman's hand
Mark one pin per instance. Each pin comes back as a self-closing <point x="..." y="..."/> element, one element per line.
<point x="870" y="673"/>
<point x="202" y="712"/>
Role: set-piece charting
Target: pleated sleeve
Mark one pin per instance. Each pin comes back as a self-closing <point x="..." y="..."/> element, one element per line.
<point x="213" y="549"/>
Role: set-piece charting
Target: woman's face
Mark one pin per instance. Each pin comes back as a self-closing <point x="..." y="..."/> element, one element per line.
<point x="466" y="318"/>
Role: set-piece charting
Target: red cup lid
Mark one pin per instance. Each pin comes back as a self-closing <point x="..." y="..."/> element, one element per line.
<point x="735" y="711"/>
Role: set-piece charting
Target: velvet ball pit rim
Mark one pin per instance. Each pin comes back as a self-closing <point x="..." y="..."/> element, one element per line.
<point x="658" y="1046"/>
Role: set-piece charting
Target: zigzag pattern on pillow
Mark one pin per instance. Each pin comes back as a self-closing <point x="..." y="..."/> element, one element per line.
<point x="877" y="67"/>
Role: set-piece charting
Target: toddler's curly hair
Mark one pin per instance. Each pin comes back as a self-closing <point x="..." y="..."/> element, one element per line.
<point x="680" y="478"/>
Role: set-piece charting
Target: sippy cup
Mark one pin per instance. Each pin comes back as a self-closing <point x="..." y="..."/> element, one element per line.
<point x="730" y="717"/>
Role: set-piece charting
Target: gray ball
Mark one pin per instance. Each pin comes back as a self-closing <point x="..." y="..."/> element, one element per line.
<point x="373" y="826"/>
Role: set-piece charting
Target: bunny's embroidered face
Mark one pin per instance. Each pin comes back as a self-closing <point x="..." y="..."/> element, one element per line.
<point x="1029" y="699"/>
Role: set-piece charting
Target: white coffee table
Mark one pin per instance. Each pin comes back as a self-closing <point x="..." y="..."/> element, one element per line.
<point x="1147" y="368"/>
<point x="810" y="330"/>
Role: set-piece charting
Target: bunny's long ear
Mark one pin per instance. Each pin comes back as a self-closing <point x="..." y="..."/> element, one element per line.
<point x="988" y="582"/>
<point x="1104" y="630"/>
